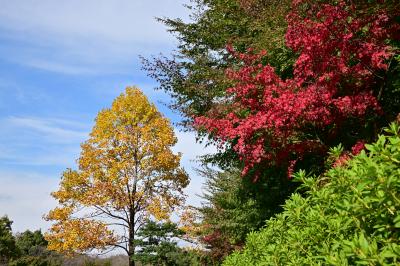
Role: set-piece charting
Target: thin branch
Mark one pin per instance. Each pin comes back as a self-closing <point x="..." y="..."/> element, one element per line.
<point x="108" y="212"/>
<point x="120" y="224"/>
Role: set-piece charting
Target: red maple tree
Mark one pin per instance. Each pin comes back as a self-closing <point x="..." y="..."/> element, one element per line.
<point x="342" y="57"/>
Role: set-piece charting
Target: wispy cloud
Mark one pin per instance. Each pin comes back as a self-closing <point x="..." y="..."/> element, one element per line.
<point x="53" y="130"/>
<point x="82" y="37"/>
<point x="10" y="89"/>
<point x="63" y="68"/>
<point x="34" y="141"/>
<point x="120" y="21"/>
<point x="65" y="159"/>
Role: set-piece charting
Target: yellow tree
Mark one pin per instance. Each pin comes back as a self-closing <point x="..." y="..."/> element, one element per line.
<point x="126" y="174"/>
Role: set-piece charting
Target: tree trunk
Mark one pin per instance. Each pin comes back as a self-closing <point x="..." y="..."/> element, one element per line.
<point x="132" y="238"/>
<point x="131" y="253"/>
<point x="131" y="261"/>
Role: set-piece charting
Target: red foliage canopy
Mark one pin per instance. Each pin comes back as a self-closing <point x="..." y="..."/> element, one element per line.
<point x="342" y="55"/>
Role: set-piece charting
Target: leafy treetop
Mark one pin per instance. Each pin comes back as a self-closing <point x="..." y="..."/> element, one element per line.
<point x="339" y="80"/>
<point x="127" y="174"/>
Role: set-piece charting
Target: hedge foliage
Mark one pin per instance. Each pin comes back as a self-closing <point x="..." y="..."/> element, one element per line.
<point x="349" y="216"/>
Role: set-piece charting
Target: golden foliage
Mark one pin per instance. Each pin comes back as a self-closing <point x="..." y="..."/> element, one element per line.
<point x="190" y="223"/>
<point x="127" y="172"/>
<point x="78" y="235"/>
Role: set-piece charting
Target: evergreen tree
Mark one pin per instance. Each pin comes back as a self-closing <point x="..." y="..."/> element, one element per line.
<point x="8" y="247"/>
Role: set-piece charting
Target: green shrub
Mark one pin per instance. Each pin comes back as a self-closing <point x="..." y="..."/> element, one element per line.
<point x="349" y="216"/>
<point x="31" y="261"/>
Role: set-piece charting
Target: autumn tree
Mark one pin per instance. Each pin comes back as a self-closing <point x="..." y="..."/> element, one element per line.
<point x="194" y="75"/>
<point x="343" y="89"/>
<point x="126" y="174"/>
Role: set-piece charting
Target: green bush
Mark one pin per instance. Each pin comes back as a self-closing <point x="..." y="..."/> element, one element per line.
<point x="349" y="216"/>
<point x="31" y="261"/>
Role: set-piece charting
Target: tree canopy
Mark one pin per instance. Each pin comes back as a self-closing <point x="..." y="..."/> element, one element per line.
<point x="336" y="93"/>
<point x="127" y="174"/>
<point x="195" y="74"/>
<point x="8" y="248"/>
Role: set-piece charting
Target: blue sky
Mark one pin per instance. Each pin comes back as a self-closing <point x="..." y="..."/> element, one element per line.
<point x="60" y="63"/>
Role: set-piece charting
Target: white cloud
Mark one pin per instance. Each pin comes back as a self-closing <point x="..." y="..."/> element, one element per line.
<point x="64" y="68"/>
<point x="10" y="89"/>
<point x="66" y="158"/>
<point x="53" y="130"/>
<point x="120" y="21"/>
<point x="25" y="198"/>
<point x="74" y="36"/>
<point x="36" y="141"/>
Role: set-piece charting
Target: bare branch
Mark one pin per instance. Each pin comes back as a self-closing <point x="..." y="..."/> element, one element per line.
<point x="108" y="212"/>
